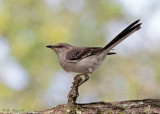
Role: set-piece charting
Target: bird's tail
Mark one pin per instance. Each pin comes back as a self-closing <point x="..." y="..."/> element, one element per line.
<point x="123" y="35"/>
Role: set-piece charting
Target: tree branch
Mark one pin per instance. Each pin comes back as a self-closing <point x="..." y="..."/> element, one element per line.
<point x="73" y="94"/>
<point x="145" y="106"/>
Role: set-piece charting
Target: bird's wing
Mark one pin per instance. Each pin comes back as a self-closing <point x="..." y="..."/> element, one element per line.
<point x="79" y="53"/>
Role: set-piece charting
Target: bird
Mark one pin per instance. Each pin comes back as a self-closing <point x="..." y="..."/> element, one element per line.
<point x="85" y="60"/>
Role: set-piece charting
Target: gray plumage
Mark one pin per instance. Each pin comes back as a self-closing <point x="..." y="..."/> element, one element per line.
<point x="85" y="60"/>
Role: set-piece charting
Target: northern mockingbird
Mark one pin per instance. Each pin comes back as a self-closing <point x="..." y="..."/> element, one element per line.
<point x="85" y="60"/>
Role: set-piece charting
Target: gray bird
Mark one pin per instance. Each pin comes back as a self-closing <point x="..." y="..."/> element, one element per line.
<point x="85" y="60"/>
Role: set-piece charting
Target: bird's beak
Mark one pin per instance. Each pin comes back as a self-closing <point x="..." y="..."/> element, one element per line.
<point x="50" y="46"/>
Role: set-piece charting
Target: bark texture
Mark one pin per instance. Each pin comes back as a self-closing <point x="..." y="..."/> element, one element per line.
<point x="146" y="106"/>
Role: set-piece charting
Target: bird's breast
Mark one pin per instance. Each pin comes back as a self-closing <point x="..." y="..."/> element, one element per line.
<point x="85" y="65"/>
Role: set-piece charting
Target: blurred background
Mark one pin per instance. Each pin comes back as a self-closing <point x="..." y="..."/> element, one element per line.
<point x="30" y="75"/>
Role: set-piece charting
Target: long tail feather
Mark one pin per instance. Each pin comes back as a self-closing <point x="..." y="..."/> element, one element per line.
<point x="123" y="35"/>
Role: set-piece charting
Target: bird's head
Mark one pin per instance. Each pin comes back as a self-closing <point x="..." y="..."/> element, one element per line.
<point x="60" y="48"/>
